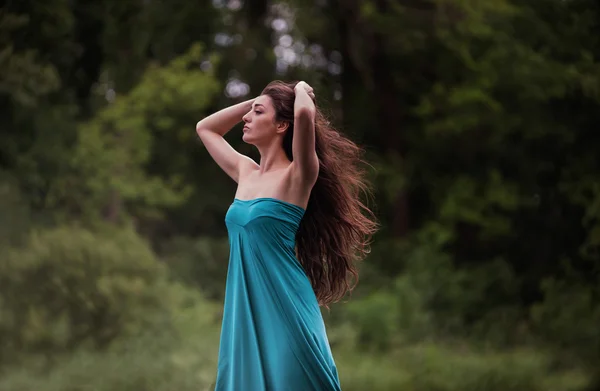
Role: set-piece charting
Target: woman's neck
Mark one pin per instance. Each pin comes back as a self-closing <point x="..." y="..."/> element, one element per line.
<point x="273" y="157"/>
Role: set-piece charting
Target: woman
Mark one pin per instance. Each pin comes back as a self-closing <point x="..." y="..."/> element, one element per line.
<point x="296" y="226"/>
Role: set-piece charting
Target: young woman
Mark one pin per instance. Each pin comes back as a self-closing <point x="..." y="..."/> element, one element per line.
<point x="296" y="226"/>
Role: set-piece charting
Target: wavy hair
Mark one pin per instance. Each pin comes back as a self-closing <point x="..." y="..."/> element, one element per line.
<point x="337" y="228"/>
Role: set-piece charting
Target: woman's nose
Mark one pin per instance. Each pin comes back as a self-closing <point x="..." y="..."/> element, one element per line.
<point x="246" y="117"/>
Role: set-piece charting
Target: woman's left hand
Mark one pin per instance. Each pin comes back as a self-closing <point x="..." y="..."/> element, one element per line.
<point x="304" y="86"/>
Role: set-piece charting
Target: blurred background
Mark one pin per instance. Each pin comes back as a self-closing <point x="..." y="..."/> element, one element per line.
<point x="481" y="122"/>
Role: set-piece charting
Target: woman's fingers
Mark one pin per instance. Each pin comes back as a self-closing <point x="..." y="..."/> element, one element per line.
<point x="309" y="90"/>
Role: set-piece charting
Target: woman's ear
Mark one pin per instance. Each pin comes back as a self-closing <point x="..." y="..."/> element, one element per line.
<point x="282" y="126"/>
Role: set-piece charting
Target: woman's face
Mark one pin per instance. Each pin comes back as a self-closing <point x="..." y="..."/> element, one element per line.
<point x="259" y="123"/>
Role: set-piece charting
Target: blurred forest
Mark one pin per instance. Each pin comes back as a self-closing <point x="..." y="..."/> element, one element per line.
<point x="477" y="117"/>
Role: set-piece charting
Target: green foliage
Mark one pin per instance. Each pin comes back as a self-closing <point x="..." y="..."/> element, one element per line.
<point x="569" y="316"/>
<point x="69" y="288"/>
<point x="182" y="357"/>
<point x="108" y="168"/>
<point x="432" y="298"/>
<point x="480" y="119"/>
<point x="436" y="367"/>
<point x="200" y="263"/>
<point x="14" y="213"/>
<point x="26" y="74"/>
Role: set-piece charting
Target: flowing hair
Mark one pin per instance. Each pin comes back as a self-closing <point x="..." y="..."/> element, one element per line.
<point x="337" y="227"/>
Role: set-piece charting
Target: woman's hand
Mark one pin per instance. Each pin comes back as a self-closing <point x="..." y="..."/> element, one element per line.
<point x="303" y="86"/>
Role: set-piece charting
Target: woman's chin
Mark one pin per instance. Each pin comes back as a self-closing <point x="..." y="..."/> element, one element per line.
<point x="246" y="138"/>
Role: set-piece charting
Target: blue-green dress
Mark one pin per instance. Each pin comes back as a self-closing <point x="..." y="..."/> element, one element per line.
<point x="272" y="336"/>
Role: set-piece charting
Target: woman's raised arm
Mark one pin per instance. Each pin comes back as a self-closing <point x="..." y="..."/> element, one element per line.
<point x="211" y="131"/>
<point x="303" y="145"/>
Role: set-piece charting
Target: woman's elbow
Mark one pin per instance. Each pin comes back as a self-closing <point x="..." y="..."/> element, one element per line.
<point x="201" y="127"/>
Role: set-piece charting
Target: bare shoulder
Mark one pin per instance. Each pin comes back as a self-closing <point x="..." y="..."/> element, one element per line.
<point x="249" y="163"/>
<point x="247" y="166"/>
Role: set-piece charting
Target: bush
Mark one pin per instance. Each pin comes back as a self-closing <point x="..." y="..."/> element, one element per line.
<point x="183" y="358"/>
<point x="438" y="367"/>
<point x="569" y="319"/>
<point x="69" y="288"/>
<point x="200" y="263"/>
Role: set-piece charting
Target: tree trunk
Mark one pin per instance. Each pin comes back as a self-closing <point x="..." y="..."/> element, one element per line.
<point x="365" y="59"/>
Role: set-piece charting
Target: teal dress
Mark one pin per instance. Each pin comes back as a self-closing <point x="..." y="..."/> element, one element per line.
<point x="272" y="336"/>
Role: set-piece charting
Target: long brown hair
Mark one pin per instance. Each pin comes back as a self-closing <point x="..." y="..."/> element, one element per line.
<point x="337" y="227"/>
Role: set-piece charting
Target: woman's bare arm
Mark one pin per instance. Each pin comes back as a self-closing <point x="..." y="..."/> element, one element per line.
<point x="303" y="145"/>
<point x="211" y="131"/>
